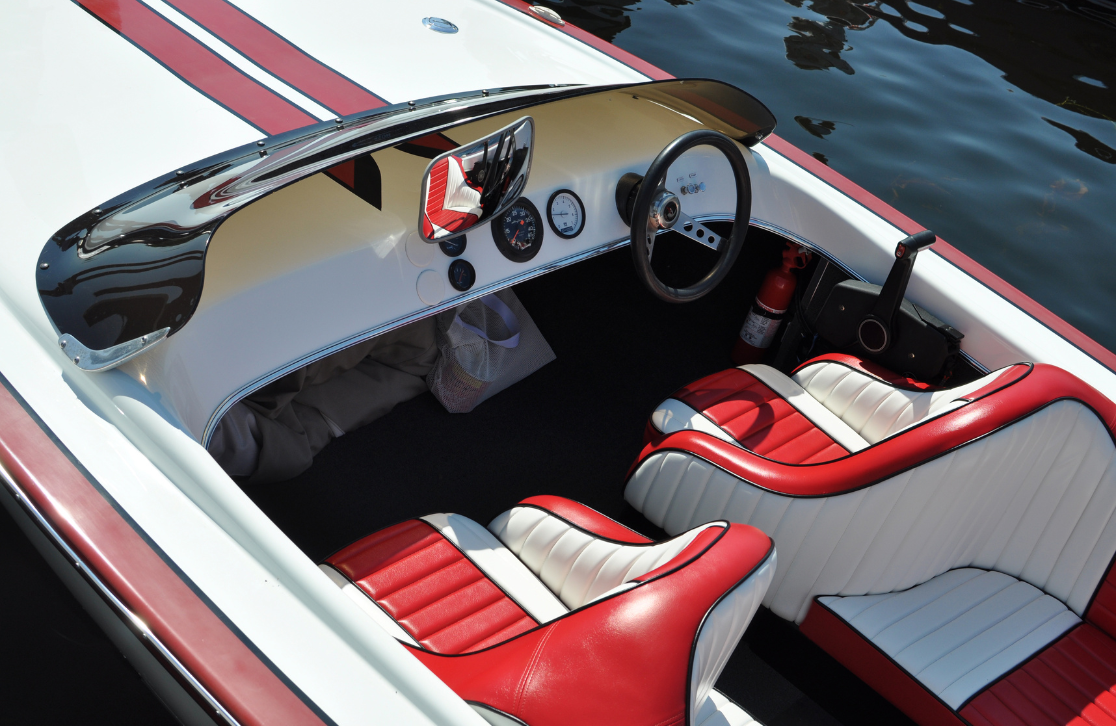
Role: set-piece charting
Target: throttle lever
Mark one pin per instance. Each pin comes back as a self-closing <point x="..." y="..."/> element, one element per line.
<point x="875" y="331"/>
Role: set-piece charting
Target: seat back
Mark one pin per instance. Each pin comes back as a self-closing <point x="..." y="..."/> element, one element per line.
<point x="578" y="566"/>
<point x="484" y="622"/>
<point x="877" y="408"/>
<point x="1022" y="481"/>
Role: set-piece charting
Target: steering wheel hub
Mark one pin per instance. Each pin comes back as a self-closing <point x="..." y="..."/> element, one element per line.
<point x="665" y="210"/>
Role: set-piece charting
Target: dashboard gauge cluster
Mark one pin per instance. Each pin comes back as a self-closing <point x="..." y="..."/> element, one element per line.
<point x="566" y="214"/>
<point x="518" y="232"/>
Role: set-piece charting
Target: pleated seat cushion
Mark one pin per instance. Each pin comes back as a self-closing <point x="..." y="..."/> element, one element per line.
<point x="553" y="613"/>
<point x="431" y="589"/>
<point x="829" y="408"/>
<point x="974" y="647"/>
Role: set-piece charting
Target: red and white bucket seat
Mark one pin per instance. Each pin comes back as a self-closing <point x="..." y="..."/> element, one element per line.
<point x="556" y="614"/>
<point x="951" y="547"/>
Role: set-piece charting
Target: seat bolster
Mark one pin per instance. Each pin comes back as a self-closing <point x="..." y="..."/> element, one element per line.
<point x="722" y="630"/>
<point x="808" y="406"/>
<point x="499" y="564"/>
<point x="673" y="415"/>
<point x="575" y="564"/>
<point x="587" y="518"/>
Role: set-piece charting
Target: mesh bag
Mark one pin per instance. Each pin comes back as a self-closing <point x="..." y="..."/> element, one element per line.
<point x="486" y="345"/>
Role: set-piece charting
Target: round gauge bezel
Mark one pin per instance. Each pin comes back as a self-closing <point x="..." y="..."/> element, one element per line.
<point x="501" y="239"/>
<point x="457" y="263"/>
<point x="550" y="219"/>
<point x="445" y="244"/>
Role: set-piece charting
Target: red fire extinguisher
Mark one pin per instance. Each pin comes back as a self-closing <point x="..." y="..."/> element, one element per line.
<point x="770" y="306"/>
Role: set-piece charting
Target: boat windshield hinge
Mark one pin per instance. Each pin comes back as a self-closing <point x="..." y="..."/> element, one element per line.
<point x="91" y="360"/>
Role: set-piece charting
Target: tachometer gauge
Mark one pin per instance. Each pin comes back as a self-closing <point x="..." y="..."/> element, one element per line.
<point x="518" y="232"/>
<point x="566" y="214"/>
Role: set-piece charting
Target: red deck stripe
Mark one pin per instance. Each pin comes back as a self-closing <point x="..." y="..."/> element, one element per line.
<point x="136" y="573"/>
<point x="1005" y="289"/>
<point x="634" y="62"/>
<point x="199" y="66"/>
<point x="278" y="56"/>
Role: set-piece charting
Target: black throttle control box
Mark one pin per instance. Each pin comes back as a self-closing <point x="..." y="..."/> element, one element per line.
<point x="922" y="346"/>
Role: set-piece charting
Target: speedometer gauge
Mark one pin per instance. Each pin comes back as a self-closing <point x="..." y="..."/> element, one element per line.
<point x="518" y="232"/>
<point x="566" y="214"/>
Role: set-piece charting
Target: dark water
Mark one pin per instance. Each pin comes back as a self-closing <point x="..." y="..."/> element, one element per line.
<point x="989" y="121"/>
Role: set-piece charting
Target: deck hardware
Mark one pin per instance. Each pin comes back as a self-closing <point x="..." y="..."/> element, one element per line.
<point x="44" y="266"/>
<point x="260" y="142"/>
<point x="545" y="13"/>
<point x="91" y="360"/>
<point x="440" y="25"/>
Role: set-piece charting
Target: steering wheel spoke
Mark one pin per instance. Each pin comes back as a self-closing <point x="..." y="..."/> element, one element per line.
<point x="698" y="232"/>
<point x="650" y="209"/>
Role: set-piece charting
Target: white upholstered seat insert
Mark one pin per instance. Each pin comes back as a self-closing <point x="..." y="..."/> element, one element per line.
<point x="577" y="566"/>
<point x="872" y="408"/>
<point x="959" y="631"/>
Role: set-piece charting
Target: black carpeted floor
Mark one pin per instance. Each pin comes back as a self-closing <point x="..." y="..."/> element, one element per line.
<point x="572" y="429"/>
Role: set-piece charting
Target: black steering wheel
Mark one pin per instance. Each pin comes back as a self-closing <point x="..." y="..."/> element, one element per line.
<point x="648" y="206"/>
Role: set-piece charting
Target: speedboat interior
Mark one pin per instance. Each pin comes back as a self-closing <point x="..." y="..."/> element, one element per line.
<point x="607" y="411"/>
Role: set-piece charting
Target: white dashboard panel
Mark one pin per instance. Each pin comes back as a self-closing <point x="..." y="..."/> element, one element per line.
<point x="313" y="267"/>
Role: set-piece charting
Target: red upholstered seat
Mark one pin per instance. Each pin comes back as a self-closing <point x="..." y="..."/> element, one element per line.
<point x="959" y="557"/>
<point x="759" y="419"/>
<point x="552" y="614"/>
<point x="1070" y="683"/>
<point x="431" y="589"/>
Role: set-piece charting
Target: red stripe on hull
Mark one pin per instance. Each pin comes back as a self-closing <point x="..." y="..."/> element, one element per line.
<point x="278" y="56"/>
<point x="117" y="554"/>
<point x="970" y="266"/>
<point x="199" y="66"/>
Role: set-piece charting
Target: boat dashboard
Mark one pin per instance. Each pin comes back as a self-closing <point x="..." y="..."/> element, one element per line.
<point x="337" y="257"/>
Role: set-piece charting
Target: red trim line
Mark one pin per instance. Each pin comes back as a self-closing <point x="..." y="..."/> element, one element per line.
<point x="278" y="56"/>
<point x="853" y="651"/>
<point x="958" y="258"/>
<point x="199" y="66"/>
<point x="137" y="574"/>
<point x="633" y="62"/>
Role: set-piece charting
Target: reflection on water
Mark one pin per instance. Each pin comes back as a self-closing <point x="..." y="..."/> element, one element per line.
<point x="1087" y="143"/>
<point x="992" y="122"/>
<point x="817" y="46"/>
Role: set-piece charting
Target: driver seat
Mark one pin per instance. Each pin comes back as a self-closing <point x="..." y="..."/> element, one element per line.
<point x="553" y="613"/>
<point x="828" y="408"/>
